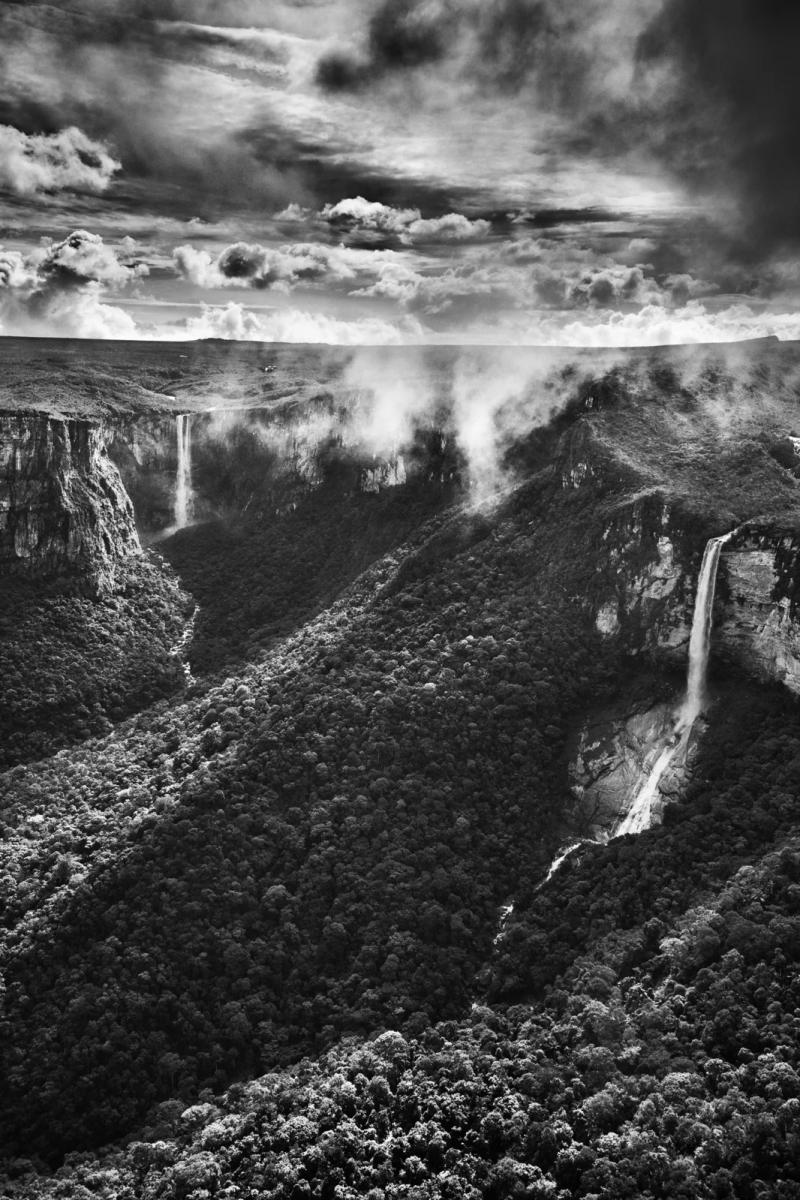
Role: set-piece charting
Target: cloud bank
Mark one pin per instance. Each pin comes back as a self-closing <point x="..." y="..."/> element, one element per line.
<point x="61" y="289"/>
<point x="548" y="170"/>
<point x="56" y="162"/>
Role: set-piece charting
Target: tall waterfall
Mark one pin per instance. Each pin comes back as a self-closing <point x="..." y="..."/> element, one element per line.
<point x="183" y="481"/>
<point x="700" y="640"/>
<point x="638" y="816"/>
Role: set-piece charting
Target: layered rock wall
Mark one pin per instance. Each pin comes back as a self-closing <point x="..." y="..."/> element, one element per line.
<point x="64" y="513"/>
<point x="647" y="581"/>
<point x="758" y="624"/>
<point x="263" y="461"/>
<point x="644" y="591"/>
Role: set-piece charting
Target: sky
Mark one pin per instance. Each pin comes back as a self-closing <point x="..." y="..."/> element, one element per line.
<point x="566" y="172"/>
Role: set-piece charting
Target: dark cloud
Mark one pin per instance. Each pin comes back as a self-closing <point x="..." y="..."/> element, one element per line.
<point x="713" y="93"/>
<point x="502" y="45"/>
<point x="736" y="108"/>
<point x="553" y="218"/>
<point x="401" y="34"/>
<point x="325" y="174"/>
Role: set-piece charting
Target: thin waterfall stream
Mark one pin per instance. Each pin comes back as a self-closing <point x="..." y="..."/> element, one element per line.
<point x="183" y="480"/>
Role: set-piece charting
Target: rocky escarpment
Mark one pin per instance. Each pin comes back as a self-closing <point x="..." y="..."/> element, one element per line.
<point x="646" y="574"/>
<point x="647" y="578"/>
<point x="144" y="451"/>
<point x="265" y="460"/>
<point x="648" y="561"/>
<point x="64" y="512"/>
<point x="758" y="623"/>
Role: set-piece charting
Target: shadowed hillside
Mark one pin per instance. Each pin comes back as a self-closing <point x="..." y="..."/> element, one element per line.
<point x="285" y="932"/>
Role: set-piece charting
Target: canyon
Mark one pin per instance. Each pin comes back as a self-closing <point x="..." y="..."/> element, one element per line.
<point x="81" y="494"/>
<point x="318" y="666"/>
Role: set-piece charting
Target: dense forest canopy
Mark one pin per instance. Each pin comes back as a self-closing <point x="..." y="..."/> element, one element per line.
<point x="273" y="912"/>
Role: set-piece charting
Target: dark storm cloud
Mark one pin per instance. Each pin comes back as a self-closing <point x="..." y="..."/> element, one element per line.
<point x="510" y="41"/>
<point x="401" y="34"/>
<point x="737" y="107"/>
<point x="713" y="92"/>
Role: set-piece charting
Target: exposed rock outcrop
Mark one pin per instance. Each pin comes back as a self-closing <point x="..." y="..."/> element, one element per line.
<point x="758" y="625"/>
<point x="64" y="513"/>
<point x="611" y="756"/>
<point x="647" y="577"/>
<point x="645" y="585"/>
<point x="260" y="461"/>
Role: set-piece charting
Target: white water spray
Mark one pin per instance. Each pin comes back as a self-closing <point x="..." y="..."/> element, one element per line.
<point x="700" y="639"/>
<point x="639" y="815"/>
<point x="183" y="482"/>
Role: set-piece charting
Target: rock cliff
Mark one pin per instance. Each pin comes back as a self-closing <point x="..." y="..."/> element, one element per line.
<point x="64" y="512"/>
<point x="649" y="576"/>
<point x="611" y="755"/>
<point x="264" y="460"/>
<point x="758" y="626"/>
<point x="645" y="577"/>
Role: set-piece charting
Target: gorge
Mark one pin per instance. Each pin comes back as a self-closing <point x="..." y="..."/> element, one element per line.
<point x="300" y="690"/>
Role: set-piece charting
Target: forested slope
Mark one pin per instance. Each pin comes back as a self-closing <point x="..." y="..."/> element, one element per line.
<point x="300" y="869"/>
<point x="309" y="877"/>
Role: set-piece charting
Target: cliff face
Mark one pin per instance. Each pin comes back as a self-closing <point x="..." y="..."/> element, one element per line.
<point x="758" y="626"/>
<point x="64" y="512"/>
<point x="263" y="461"/>
<point x="611" y="755"/>
<point x="646" y="578"/>
<point x="75" y="495"/>
<point x="144" y="451"/>
<point x="649" y="578"/>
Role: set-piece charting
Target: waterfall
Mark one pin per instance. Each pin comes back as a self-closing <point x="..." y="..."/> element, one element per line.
<point x="638" y="816"/>
<point x="183" y="481"/>
<point x="700" y="640"/>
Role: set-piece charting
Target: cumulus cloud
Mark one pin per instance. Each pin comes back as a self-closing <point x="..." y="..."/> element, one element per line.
<point x="279" y="268"/>
<point x="16" y="271"/>
<point x="407" y="225"/>
<point x="84" y="258"/>
<point x="60" y="288"/>
<point x="82" y="315"/>
<point x="56" y="162"/>
<point x="439" y="290"/>
<point x="535" y="273"/>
